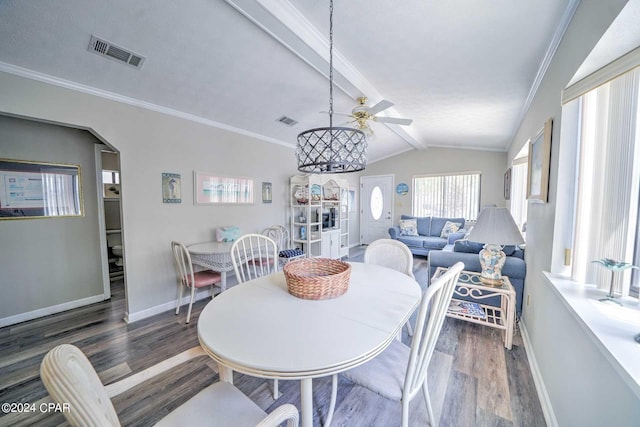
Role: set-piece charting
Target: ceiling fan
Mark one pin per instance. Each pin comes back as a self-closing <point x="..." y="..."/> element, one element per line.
<point x="362" y="114"/>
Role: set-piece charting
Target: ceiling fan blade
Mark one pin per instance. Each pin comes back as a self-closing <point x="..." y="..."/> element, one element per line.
<point x="393" y="120"/>
<point x="382" y="105"/>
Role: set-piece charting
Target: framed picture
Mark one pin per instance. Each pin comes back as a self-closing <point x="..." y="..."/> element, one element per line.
<point x="539" y="159"/>
<point x="213" y="189"/>
<point x="171" y="192"/>
<point x="507" y="184"/>
<point x="266" y="192"/>
<point x="39" y="190"/>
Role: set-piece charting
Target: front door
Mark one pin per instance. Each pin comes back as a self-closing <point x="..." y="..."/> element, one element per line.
<point x="376" y="213"/>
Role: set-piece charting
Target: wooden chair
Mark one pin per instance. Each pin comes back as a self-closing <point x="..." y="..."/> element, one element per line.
<point x="400" y="372"/>
<point x="71" y="379"/>
<point x="187" y="278"/>
<point x="253" y="256"/>
<point x="392" y="254"/>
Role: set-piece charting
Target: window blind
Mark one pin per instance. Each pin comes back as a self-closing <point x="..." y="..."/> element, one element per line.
<point x="608" y="175"/>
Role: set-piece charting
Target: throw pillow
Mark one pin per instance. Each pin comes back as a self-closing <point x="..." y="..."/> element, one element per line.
<point x="449" y="227"/>
<point x="408" y="227"/>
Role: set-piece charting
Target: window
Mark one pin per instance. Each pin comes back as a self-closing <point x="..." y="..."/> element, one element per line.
<point x="449" y="196"/>
<point x="110" y="177"/>
<point x="606" y="211"/>
<point x="518" y="203"/>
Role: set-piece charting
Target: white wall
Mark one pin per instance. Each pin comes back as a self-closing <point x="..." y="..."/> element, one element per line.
<point x="492" y="165"/>
<point x="151" y="143"/>
<point x="582" y="389"/>
<point x="49" y="261"/>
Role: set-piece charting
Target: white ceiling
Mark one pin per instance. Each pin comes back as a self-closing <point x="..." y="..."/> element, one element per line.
<point x="463" y="70"/>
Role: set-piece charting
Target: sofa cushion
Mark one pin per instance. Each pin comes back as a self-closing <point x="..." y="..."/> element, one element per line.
<point x="467" y="246"/>
<point x="437" y="224"/>
<point x="431" y="242"/>
<point x="412" y="241"/>
<point x="424" y="223"/>
<point x="449" y="227"/>
<point x="408" y="227"/>
<point x="474" y="247"/>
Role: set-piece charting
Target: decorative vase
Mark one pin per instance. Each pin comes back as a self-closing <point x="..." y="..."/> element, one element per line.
<point x="491" y="260"/>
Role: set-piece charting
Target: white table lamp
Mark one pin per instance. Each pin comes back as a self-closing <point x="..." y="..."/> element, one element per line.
<point x="495" y="228"/>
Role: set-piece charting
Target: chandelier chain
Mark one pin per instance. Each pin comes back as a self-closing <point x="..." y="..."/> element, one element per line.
<point x="332" y="149"/>
<point x="330" y="63"/>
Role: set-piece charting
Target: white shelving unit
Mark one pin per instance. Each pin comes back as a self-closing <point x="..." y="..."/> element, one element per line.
<point x="320" y="215"/>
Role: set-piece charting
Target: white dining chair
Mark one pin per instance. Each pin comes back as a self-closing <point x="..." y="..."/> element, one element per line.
<point x="190" y="280"/>
<point x="392" y="254"/>
<point x="71" y="380"/>
<point x="400" y="371"/>
<point x="280" y="235"/>
<point x="253" y="256"/>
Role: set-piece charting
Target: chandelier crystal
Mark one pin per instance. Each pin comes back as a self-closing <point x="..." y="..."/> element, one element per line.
<point x="331" y="149"/>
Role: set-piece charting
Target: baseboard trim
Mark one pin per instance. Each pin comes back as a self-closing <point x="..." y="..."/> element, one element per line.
<point x="543" y="396"/>
<point x="46" y="311"/>
<point x="171" y="305"/>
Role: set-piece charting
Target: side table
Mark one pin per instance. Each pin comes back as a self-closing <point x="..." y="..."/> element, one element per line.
<point x="503" y="318"/>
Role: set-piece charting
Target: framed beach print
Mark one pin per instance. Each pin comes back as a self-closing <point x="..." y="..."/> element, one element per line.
<point x="539" y="159"/>
<point x="214" y="189"/>
<point x="39" y="190"/>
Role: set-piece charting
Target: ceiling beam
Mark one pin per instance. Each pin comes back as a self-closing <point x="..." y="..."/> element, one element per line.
<point x="282" y="21"/>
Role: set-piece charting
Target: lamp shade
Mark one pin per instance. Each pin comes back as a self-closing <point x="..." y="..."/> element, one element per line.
<point x="495" y="226"/>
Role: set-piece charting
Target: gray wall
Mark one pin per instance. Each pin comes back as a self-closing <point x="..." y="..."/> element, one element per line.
<point x="151" y="143"/>
<point x="492" y="166"/>
<point x="49" y="261"/>
<point x="583" y="389"/>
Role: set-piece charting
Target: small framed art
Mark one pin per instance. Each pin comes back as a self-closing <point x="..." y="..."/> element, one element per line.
<point x="507" y="184"/>
<point x="171" y="191"/>
<point x="266" y="192"/>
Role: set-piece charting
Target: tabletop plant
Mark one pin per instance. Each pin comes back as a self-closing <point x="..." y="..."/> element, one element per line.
<point x="613" y="266"/>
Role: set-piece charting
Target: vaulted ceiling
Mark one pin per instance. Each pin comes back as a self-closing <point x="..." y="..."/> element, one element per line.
<point x="463" y="70"/>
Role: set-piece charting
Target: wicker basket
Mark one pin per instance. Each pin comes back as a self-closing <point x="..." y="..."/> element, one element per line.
<point x="317" y="278"/>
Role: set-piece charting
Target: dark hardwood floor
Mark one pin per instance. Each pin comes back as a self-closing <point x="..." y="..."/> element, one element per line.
<point x="474" y="380"/>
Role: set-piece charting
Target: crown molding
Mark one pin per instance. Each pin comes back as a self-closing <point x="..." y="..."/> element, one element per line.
<point x="66" y="84"/>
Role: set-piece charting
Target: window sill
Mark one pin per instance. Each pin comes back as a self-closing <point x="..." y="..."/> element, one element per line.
<point x="608" y="325"/>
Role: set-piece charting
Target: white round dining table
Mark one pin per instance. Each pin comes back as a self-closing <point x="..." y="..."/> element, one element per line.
<point x="259" y="329"/>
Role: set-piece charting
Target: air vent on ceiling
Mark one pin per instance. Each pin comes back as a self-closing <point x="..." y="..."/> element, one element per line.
<point x="104" y="48"/>
<point x="287" y="121"/>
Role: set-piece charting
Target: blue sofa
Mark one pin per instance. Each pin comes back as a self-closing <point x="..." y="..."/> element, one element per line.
<point x="428" y="238"/>
<point x="467" y="252"/>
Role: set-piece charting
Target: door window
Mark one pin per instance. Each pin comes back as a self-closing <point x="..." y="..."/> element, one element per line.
<point x="376" y="203"/>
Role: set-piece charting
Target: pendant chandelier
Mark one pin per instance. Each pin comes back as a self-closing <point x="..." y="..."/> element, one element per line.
<point x="331" y="149"/>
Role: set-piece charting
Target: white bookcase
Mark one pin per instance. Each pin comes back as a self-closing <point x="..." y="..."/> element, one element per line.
<point x="320" y="215"/>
